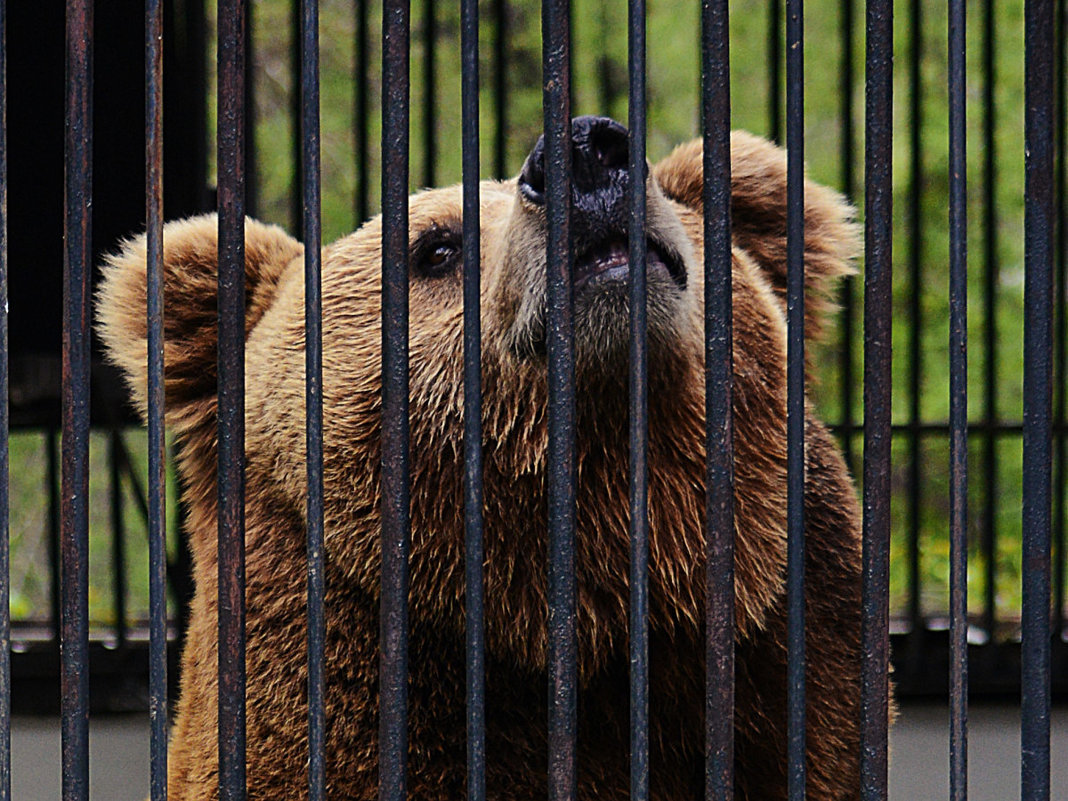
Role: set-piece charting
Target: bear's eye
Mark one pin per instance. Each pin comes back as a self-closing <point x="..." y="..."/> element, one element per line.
<point x="436" y="255"/>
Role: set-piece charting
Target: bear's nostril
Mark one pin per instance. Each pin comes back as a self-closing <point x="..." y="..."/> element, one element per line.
<point x="610" y="145"/>
<point x="532" y="178"/>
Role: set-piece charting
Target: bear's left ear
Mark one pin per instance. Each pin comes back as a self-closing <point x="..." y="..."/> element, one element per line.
<point x="758" y="217"/>
<point x="190" y="313"/>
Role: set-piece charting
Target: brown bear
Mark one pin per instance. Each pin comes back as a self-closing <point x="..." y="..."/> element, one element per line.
<point x="513" y="237"/>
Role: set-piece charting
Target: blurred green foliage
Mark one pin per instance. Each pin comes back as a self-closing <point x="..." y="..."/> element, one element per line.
<point x="599" y="57"/>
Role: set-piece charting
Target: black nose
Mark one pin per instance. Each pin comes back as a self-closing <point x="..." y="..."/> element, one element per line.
<point x="598" y="160"/>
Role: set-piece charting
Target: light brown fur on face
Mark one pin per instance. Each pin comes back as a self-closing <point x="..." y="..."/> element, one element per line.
<point x="514" y="436"/>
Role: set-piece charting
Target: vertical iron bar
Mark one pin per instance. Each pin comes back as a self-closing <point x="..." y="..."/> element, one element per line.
<point x="500" y="89"/>
<point x="795" y="396"/>
<point x="848" y="162"/>
<point x="775" y="44"/>
<point x="719" y="418"/>
<point x="157" y="469"/>
<point x="878" y="244"/>
<point x="916" y="181"/>
<point x="1037" y="434"/>
<point x="313" y="371"/>
<point x="990" y="329"/>
<point x="361" y="79"/>
<point x="430" y="123"/>
<point x="473" y="474"/>
<point x="5" y="555"/>
<point x="52" y="488"/>
<point x="556" y="57"/>
<point x="958" y="403"/>
<point x="638" y="419"/>
<point x="396" y="513"/>
<point x="231" y="503"/>
<point x="77" y="268"/>
<point x="118" y="539"/>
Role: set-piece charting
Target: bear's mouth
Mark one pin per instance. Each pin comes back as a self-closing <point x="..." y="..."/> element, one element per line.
<point x="609" y="261"/>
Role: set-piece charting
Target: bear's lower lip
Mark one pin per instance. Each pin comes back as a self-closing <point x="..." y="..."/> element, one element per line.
<point x="610" y="261"/>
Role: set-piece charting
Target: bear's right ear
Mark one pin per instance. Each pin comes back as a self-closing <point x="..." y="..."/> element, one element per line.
<point x="190" y="315"/>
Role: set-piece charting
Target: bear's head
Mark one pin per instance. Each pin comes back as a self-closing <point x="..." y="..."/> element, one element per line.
<point x="514" y="378"/>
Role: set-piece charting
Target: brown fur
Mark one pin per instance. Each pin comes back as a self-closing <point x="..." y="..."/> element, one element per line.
<point x="515" y="434"/>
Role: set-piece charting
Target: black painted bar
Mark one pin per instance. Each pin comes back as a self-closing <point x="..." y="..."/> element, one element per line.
<point x="118" y="538"/>
<point x="500" y="89"/>
<point x="361" y="123"/>
<point x="958" y="408"/>
<point x="915" y="352"/>
<point x="473" y="473"/>
<point x="719" y="418"/>
<point x="430" y="124"/>
<point x="878" y="271"/>
<point x="157" y="465"/>
<point x="313" y="376"/>
<point x="52" y="490"/>
<point x="556" y="54"/>
<point x="1038" y="352"/>
<point x="231" y="503"/>
<point x="74" y="525"/>
<point x="991" y="280"/>
<point x="775" y="44"/>
<point x="5" y="555"/>
<point x="638" y="419"/>
<point x="396" y="512"/>
<point x="795" y="399"/>
<point x="847" y="159"/>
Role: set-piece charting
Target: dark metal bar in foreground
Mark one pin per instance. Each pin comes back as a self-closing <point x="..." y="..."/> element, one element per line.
<point x="313" y="376"/>
<point x="157" y="465"/>
<point x="396" y="512"/>
<point x="5" y="553"/>
<point x="638" y="419"/>
<point x="958" y="409"/>
<point x="556" y="46"/>
<point x="500" y="89"/>
<point x="77" y="268"/>
<point x="719" y="418"/>
<point x="795" y="399"/>
<point x="430" y="99"/>
<point x="1038" y="353"/>
<point x="878" y="242"/>
<point x="473" y="473"/>
<point x="231" y="503"/>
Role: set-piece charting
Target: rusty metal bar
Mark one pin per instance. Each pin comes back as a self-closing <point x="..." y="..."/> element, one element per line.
<point x="556" y="104"/>
<point x="878" y="245"/>
<point x="1037" y="396"/>
<point x="396" y="512"/>
<point x="473" y="471"/>
<point x="231" y="500"/>
<point x="157" y="465"/>
<point x="795" y="399"/>
<point x="719" y="418"/>
<point x="313" y="372"/>
<point x="638" y="418"/>
<point x="958" y="411"/>
<point x="77" y="269"/>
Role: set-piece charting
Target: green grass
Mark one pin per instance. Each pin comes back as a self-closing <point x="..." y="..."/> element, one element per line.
<point x="599" y="86"/>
